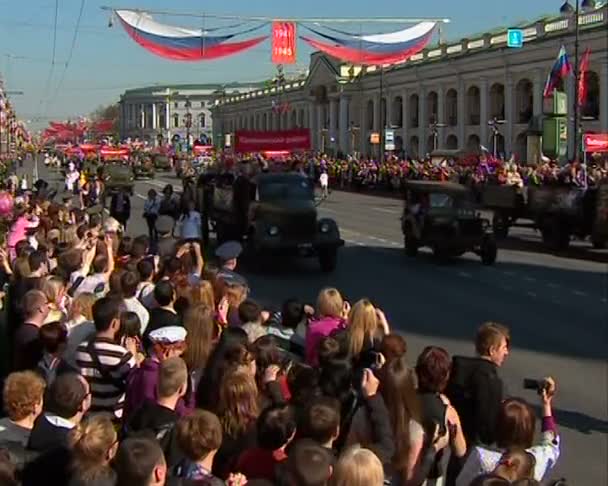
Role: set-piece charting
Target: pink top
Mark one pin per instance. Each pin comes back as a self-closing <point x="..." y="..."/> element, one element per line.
<point x="317" y="330"/>
<point x="17" y="232"/>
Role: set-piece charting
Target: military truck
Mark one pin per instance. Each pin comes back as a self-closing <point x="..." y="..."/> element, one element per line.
<point x="272" y="214"/>
<point x="560" y="212"/>
<point x="117" y="176"/>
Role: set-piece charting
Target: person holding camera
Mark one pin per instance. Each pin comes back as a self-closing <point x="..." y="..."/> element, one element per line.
<point x="515" y="427"/>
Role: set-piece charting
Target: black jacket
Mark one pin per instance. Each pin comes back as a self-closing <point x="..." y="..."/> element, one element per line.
<point x="159" y="421"/>
<point x="476" y="392"/>
<point x="46" y="436"/>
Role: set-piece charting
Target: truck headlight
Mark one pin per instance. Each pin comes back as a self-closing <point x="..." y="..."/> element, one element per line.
<point x="324" y="228"/>
<point x="273" y="231"/>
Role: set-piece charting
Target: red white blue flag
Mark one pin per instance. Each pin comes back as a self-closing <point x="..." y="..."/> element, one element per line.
<point x="560" y="70"/>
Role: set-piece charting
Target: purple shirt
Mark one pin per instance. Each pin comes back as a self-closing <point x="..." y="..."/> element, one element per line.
<point x="317" y="330"/>
<point x="143" y="385"/>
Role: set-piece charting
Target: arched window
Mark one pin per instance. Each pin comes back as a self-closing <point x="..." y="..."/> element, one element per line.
<point x="497" y="101"/>
<point x="524" y="101"/>
<point x="397" y="112"/>
<point x="370" y="115"/>
<point x="451" y="142"/>
<point x="432" y="106"/>
<point x="175" y="121"/>
<point x="202" y="120"/>
<point x="591" y="108"/>
<point x="451" y="107"/>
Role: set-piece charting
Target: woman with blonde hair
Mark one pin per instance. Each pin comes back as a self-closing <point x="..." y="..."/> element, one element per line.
<point x="366" y="326"/>
<point x="93" y="446"/>
<point x="202" y="329"/>
<point x="238" y="409"/>
<point x="357" y="467"/>
<point x="332" y="311"/>
<point x="54" y="289"/>
<point x="80" y="311"/>
<point x="202" y="293"/>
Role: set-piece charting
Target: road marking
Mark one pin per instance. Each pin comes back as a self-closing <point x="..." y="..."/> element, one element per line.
<point x="510" y="274"/>
<point x="386" y="210"/>
<point x="580" y="293"/>
<point x="532" y="294"/>
<point x="465" y="274"/>
<point x="529" y="279"/>
<point x="140" y="196"/>
<point x="553" y="285"/>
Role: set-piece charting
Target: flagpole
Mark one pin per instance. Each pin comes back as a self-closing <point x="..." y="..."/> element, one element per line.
<point x="576" y="81"/>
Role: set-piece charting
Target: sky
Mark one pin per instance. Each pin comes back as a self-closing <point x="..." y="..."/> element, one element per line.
<point x="104" y="62"/>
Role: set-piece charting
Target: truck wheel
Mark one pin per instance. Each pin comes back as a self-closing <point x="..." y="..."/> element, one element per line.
<point x="488" y="251"/>
<point x="328" y="259"/>
<point x="411" y="244"/>
<point x="500" y="226"/>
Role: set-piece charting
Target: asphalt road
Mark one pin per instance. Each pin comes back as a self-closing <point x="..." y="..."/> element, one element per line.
<point x="555" y="305"/>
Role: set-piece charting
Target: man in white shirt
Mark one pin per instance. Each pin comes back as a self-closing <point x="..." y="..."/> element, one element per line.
<point x="129" y="283"/>
<point x="324" y="181"/>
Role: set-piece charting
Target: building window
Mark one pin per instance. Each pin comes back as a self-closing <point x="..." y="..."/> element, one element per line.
<point x="202" y="120"/>
<point x="176" y="104"/>
<point x="175" y="121"/>
<point x="202" y="104"/>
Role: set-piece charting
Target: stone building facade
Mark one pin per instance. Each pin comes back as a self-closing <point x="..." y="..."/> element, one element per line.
<point x="445" y="97"/>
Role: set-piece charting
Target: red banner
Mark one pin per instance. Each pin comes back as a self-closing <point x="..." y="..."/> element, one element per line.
<point x="596" y="142"/>
<point x="283" y="42"/>
<point x="292" y="140"/>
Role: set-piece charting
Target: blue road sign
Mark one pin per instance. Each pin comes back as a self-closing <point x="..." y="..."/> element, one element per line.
<point x="515" y="38"/>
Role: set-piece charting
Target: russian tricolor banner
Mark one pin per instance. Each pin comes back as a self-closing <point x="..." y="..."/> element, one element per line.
<point x="560" y="70"/>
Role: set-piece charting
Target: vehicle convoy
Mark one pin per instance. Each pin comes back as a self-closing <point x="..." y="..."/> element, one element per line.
<point x="443" y="216"/>
<point x="560" y="212"/>
<point x="271" y="214"/>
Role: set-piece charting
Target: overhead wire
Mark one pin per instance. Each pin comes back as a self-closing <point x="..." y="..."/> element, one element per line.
<point x="52" y="68"/>
<point x="71" y="52"/>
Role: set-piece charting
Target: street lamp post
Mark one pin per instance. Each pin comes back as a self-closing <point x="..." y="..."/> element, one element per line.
<point x="567" y="10"/>
<point x="494" y="124"/>
<point x="434" y="127"/>
<point x="188" y="122"/>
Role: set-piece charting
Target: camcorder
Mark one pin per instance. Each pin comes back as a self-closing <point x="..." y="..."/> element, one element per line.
<point x="537" y="385"/>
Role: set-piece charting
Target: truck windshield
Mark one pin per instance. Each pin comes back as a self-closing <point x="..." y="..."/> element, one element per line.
<point x="301" y="190"/>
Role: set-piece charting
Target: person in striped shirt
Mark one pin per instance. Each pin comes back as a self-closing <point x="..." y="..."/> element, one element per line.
<point x="105" y="364"/>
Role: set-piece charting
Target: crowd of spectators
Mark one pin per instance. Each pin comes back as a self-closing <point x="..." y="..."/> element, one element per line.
<point x="135" y="362"/>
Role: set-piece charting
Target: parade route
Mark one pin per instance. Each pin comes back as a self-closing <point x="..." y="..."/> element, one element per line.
<point x="555" y="306"/>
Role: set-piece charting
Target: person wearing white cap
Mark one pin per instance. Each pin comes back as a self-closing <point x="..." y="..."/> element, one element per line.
<point x="167" y="342"/>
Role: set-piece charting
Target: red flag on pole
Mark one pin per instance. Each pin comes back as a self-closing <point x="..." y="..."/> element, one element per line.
<point x="582" y="78"/>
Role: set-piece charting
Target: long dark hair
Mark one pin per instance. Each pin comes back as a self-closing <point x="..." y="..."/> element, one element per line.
<point x="398" y="388"/>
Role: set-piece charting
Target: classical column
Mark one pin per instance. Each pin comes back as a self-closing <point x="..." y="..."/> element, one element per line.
<point x="312" y="124"/>
<point x="344" y="142"/>
<point x="333" y="122"/>
<point x="440" y="115"/>
<point x="154" y="120"/>
<point x="537" y="92"/>
<point x="376" y="125"/>
<point x="319" y="125"/>
<point x="604" y="95"/>
<point x="388" y="111"/>
<point x="364" y="128"/>
<point x="483" y="111"/>
<point x="461" y="108"/>
<point x="404" y="119"/>
<point x="422" y="122"/>
<point x="168" y="121"/>
<point x="142" y="115"/>
<point x="509" y="115"/>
